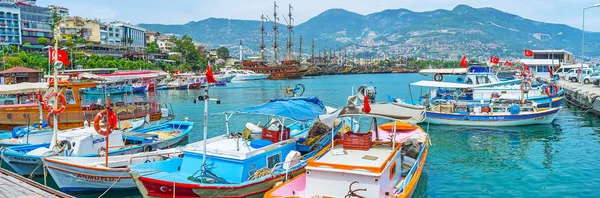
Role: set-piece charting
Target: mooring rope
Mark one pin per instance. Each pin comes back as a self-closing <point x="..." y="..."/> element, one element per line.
<point x="113" y="184"/>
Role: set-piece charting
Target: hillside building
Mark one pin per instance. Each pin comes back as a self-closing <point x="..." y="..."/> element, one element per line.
<point x="10" y="16"/>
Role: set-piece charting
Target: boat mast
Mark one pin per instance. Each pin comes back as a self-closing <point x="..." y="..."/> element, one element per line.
<point x="289" y="43"/>
<point x="241" y="55"/>
<point x="312" y="57"/>
<point x="262" y="37"/>
<point x="300" y="50"/>
<point x="275" y="58"/>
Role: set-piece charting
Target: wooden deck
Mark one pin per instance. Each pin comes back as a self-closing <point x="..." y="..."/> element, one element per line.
<point x="14" y="185"/>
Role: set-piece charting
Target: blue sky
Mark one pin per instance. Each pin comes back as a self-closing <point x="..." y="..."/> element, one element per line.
<point x="182" y="11"/>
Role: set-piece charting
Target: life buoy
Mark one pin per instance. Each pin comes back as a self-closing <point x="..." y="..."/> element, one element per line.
<point x="111" y="124"/>
<point x="50" y="108"/>
<point x="147" y="148"/>
<point x="438" y="77"/>
<point x="525" y="86"/>
<point x="551" y="90"/>
<point x="49" y="119"/>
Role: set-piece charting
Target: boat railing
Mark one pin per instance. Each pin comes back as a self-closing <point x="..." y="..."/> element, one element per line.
<point x="414" y="168"/>
<point x="106" y="150"/>
<point x="176" y="151"/>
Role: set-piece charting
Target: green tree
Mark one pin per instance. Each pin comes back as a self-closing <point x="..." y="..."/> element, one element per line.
<point x="152" y="48"/>
<point x="190" y="54"/>
<point x="42" y="41"/>
<point x="223" y="53"/>
<point x="27" y="44"/>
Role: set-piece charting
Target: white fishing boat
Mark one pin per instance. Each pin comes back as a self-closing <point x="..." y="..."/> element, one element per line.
<point x="244" y="75"/>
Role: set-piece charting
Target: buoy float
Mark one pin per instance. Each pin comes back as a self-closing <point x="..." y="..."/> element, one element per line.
<point x="50" y="108"/>
<point x="49" y="120"/>
<point x="111" y="124"/>
<point x="525" y="86"/>
<point x="551" y="90"/>
<point x="438" y="77"/>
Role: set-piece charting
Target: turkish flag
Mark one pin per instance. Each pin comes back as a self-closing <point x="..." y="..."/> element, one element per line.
<point x="366" y="105"/>
<point x="494" y="60"/>
<point x="62" y="56"/>
<point x="551" y="71"/>
<point x="507" y="63"/>
<point x="526" y="67"/>
<point x="528" y="53"/>
<point x="209" y="76"/>
<point x="464" y="62"/>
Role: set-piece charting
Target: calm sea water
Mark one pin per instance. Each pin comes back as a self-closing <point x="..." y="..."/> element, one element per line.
<point x="554" y="160"/>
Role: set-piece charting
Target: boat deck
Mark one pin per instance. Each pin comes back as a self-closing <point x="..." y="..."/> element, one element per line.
<point x="14" y="185"/>
<point x="377" y="156"/>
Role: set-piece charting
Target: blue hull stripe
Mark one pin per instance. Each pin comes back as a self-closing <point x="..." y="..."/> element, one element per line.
<point x="447" y="116"/>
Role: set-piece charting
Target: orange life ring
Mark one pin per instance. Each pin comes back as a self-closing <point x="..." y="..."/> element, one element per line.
<point x="50" y="108"/>
<point x="438" y="77"/>
<point x="49" y="119"/>
<point x="525" y="86"/>
<point x="551" y="92"/>
<point x="111" y="124"/>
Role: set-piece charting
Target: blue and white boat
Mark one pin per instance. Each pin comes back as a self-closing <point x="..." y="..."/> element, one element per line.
<point x="232" y="166"/>
<point x="105" y="90"/>
<point x="26" y="160"/>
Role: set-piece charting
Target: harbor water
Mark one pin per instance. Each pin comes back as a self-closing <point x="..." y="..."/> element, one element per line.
<point x="553" y="160"/>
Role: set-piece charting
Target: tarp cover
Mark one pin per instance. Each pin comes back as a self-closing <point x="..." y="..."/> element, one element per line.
<point x="23" y="88"/>
<point x="299" y="109"/>
<point x="402" y="112"/>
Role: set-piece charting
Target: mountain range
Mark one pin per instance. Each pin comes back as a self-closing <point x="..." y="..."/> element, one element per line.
<point x="438" y="34"/>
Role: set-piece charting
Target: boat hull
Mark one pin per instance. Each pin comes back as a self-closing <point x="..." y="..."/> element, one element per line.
<point x="31" y="164"/>
<point x="73" y="179"/>
<point x="256" y="189"/>
<point x="544" y="117"/>
<point x="250" y="77"/>
<point x="287" y="75"/>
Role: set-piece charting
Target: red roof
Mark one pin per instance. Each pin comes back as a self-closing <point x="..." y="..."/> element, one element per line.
<point x="19" y="69"/>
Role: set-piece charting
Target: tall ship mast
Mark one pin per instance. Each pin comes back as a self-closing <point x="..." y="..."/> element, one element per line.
<point x="290" y="25"/>
<point x="287" y="69"/>
<point x="262" y="37"/>
<point x="275" y="46"/>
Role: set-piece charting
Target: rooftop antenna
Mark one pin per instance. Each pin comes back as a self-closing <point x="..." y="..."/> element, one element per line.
<point x="262" y="37"/>
<point x="275" y="57"/>
<point x="289" y="44"/>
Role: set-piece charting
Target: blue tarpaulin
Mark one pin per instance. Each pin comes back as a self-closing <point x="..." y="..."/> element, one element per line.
<point x="299" y="109"/>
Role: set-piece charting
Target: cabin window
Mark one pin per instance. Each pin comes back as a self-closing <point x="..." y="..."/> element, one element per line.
<point x="273" y="160"/>
<point x="69" y="96"/>
<point x="499" y="110"/>
<point x="483" y="80"/>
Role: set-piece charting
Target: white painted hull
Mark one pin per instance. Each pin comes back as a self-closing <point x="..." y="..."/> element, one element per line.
<point x="494" y="123"/>
<point x="242" y="77"/>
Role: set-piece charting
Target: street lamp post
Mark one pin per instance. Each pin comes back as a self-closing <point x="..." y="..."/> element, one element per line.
<point x="583" y="32"/>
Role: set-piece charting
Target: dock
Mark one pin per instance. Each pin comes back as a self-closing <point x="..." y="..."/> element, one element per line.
<point x="14" y="185"/>
<point x="585" y="96"/>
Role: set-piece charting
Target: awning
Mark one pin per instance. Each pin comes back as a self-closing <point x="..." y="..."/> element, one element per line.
<point x="402" y="112"/>
<point x="119" y="77"/>
<point x="298" y="109"/>
<point x="23" y="88"/>
<point x="426" y="83"/>
<point x="444" y="71"/>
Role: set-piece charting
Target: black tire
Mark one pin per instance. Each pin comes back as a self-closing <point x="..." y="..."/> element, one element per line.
<point x="65" y="144"/>
<point x="147" y="148"/>
<point x="586" y="81"/>
<point x="574" y="79"/>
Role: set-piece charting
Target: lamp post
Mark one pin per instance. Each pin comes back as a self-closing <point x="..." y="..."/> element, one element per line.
<point x="583" y="33"/>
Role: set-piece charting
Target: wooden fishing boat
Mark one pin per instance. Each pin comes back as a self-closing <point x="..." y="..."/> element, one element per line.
<point x="361" y="164"/>
<point x="26" y="160"/>
<point x="89" y="174"/>
<point x="75" y="112"/>
<point x="234" y="169"/>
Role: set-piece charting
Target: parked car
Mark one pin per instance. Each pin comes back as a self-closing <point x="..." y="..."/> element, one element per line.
<point x="574" y="76"/>
<point x="587" y="79"/>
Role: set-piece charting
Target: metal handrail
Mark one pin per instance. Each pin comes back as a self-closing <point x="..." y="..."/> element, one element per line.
<point x="130" y="148"/>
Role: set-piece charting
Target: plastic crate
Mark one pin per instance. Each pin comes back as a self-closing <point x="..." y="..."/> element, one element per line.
<point x="273" y="136"/>
<point x="357" y="141"/>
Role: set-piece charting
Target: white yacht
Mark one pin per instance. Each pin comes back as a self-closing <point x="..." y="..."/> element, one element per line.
<point x="244" y="75"/>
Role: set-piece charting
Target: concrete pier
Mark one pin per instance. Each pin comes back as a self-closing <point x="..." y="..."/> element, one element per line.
<point x="586" y="96"/>
<point x="14" y="185"/>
